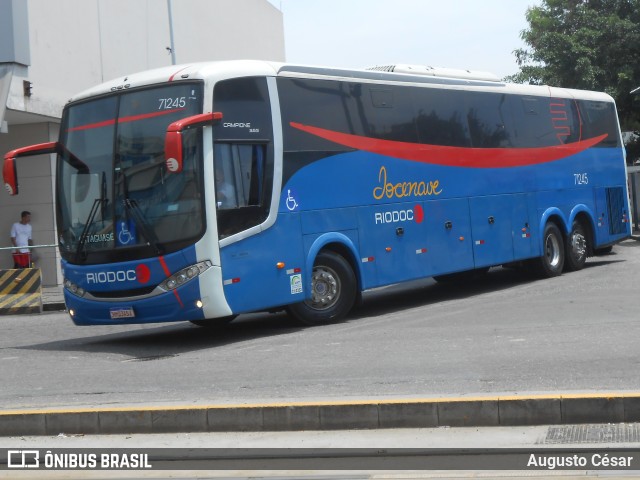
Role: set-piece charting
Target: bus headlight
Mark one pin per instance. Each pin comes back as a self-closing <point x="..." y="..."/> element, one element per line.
<point x="185" y="275"/>
<point x="73" y="288"/>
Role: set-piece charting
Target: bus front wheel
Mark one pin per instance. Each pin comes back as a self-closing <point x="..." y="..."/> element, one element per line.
<point x="551" y="263"/>
<point x="576" y="248"/>
<point x="333" y="291"/>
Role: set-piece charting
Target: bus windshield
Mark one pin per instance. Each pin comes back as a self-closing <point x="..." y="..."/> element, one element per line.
<point x="115" y="199"/>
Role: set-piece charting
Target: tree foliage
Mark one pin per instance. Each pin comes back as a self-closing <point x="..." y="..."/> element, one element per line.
<point x="585" y="44"/>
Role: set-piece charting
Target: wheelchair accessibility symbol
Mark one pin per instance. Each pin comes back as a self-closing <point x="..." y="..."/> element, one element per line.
<point x="126" y="233"/>
<point x="292" y="204"/>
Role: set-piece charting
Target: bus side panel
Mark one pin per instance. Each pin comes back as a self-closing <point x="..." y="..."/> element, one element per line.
<point x="405" y="241"/>
<point x="396" y="237"/>
<point x="613" y="222"/>
<point x="502" y="230"/>
<point x="251" y="277"/>
<point x="449" y="235"/>
<point x="525" y="238"/>
<point x="338" y="225"/>
<point x="335" y="219"/>
<point x="492" y="229"/>
<point x="602" y="225"/>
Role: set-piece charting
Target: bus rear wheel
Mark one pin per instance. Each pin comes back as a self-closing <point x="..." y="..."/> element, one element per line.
<point x="576" y="248"/>
<point x="333" y="291"/>
<point x="551" y="263"/>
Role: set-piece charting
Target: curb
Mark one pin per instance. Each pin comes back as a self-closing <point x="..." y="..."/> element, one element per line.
<point x="54" y="307"/>
<point x="426" y="413"/>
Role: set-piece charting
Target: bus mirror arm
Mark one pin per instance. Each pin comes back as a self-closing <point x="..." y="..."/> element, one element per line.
<point x="173" y="138"/>
<point x="9" y="172"/>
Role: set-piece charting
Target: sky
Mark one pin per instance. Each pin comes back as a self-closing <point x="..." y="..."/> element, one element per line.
<point x="467" y="34"/>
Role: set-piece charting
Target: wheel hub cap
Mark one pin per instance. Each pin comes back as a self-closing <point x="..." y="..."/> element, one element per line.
<point x="325" y="288"/>
<point x="553" y="250"/>
<point x="579" y="245"/>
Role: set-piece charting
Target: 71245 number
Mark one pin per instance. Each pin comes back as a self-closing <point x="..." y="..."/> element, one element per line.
<point x="168" y="103"/>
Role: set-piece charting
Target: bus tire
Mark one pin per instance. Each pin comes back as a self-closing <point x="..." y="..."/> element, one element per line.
<point x="576" y="247"/>
<point x="551" y="263"/>
<point x="333" y="291"/>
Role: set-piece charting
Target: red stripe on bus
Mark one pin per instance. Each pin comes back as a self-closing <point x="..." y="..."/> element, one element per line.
<point x="132" y="118"/>
<point x="453" y="156"/>
<point x="173" y="76"/>
<point x="164" y="266"/>
<point x="167" y="272"/>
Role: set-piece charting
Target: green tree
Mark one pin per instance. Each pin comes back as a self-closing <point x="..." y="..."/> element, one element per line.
<point x="585" y="44"/>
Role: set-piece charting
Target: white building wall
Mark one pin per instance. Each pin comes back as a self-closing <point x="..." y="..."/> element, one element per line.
<point x="76" y="44"/>
<point x="36" y="196"/>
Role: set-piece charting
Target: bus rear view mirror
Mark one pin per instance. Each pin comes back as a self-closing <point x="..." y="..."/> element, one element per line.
<point x="10" y="175"/>
<point x="9" y="172"/>
<point x="173" y="139"/>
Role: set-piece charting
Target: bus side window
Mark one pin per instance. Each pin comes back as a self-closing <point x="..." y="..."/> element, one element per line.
<point x="242" y="197"/>
<point x="441" y="117"/>
<point x="534" y="126"/>
<point x="239" y="175"/>
<point x="490" y="121"/>
<point x="599" y="118"/>
<point x="226" y="195"/>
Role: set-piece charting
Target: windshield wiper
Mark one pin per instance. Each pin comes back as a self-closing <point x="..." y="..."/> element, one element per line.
<point x="97" y="205"/>
<point x="132" y="207"/>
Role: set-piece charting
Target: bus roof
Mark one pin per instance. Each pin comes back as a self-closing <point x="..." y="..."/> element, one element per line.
<point x="447" y="78"/>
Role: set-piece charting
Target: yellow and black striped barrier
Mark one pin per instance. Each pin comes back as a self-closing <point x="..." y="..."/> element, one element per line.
<point x="20" y="291"/>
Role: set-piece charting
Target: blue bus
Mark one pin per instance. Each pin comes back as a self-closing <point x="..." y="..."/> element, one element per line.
<point x="204" y="191"/>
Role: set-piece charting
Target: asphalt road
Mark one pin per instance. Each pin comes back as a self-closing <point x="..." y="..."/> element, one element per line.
<point x="506" y="334"/>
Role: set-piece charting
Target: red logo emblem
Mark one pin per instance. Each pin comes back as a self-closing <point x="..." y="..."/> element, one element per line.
<point x="143" y="273"/>
<point x="418" y="214"/>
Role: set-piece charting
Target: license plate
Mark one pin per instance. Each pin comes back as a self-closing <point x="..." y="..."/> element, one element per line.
<point x="125" y="312"/>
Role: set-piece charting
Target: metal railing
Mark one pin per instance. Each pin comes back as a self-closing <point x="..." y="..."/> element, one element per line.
<point x="30" y="247"/>
<point x="29" y="259"/>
